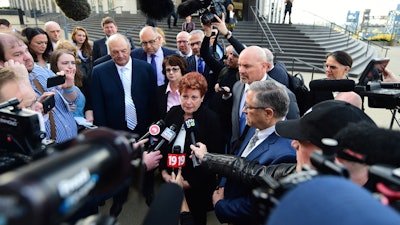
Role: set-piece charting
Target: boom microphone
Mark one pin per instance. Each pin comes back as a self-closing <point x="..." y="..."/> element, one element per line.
<point x="190" y="127"/>
<point x="156" y="9"/>
<point x="74" y="9"/>
<point x="49" y="190"/>
<point x="342" y="85"/>
<point x="167" y="135"/>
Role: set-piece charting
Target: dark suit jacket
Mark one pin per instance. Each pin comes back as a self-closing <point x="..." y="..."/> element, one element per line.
<point x="100" y="47"/>
<point x="236" y="207"/>
<point x="208" y="74"/>
<point x="161" y="102"/>
<point x="279" y="73"/>
<point x="237" y="93"/>
<point x="108" y="95"/>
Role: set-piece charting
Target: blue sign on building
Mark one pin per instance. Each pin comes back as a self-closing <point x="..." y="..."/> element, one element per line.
<point x="352" y="17"/>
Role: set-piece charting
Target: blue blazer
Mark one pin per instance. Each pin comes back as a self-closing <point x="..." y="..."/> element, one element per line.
<point x="108" y="95"/>
<point x="236" y="207"/>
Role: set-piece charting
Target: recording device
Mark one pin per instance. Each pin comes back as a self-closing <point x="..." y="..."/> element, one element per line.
<point x="51" y="189"/>
<point x="207" y="9"/>
<point x="190" y="127"/>
<point x="166" y="206"/>
<point x="341" y="85"/>
<point x="167" y="135"/>
<point x="74" y="9"/>
<point x="55" y="80"/>
<point x="177" y="158"/>
<point x="48" y="103"/>
<point x="154" y="129"/>
<point x="373" y="71"/>
<point x="20" y="134"/>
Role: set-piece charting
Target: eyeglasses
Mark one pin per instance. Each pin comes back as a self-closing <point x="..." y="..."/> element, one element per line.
<point x="246" y="107"/>
<point x="151" y="42"/>
<point x="173" y="69"/>
<point x="195" y="43"/>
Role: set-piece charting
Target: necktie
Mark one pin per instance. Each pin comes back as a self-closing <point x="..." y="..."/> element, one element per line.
<point x="251" y="144"/>
<point x="200" y="67"/>
<point x="153" y="63"/>
<point x="130" y="110"/>
<point x="242" y="119"/>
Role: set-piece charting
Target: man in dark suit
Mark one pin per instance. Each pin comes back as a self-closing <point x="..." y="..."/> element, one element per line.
<point x="109" y="28"/>
<point x="123" y="97"/>
<point x="252" y="67"/>
<point x="266" y="103"/>
<point x="197" y="64"/>
<point x="152" y="52"/>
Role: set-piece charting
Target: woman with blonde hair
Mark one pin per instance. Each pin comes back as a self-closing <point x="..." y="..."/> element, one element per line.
<point x="81" y="40"/>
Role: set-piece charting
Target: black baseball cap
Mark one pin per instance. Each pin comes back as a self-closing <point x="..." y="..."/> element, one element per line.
<point x="321" y="123"/>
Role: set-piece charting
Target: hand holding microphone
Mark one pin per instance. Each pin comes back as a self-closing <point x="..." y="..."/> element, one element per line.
<point x="198" y="151"/>
<point x="190" y="127"/>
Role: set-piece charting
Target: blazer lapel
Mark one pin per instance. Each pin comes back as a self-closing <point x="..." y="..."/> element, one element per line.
<point x="246" y="140"/>
<point x="263" y="147"/>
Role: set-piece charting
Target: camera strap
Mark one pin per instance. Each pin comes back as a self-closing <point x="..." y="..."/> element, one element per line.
<point x="51" y="116"/>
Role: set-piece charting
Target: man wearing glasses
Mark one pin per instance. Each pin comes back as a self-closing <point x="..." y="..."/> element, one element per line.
<point x="266" y="103"/>
<point x="152" y="51"/>
<point x="182" y="44"/>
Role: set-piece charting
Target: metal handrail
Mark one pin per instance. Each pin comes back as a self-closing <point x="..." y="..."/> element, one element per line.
<point x="255" y="10"/>
<point x="314" y="68"/>
<point x="350" y="33"/>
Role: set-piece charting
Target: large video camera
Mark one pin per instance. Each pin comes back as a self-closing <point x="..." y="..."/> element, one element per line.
<point x="20" y="136"/>
<point x="206" y="8"/>
<point x="51" y="189"/>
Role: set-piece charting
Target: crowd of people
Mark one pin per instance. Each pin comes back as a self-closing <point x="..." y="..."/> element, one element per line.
<point x="230" y="109"/>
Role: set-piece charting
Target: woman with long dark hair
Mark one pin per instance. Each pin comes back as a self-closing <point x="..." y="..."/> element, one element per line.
<point x="39" y="45"/>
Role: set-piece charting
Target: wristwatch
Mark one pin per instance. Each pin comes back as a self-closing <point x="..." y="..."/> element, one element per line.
<point x="228" y="34"/>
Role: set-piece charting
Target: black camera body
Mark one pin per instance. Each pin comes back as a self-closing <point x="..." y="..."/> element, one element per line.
<point x="20" y="136"/>
<point x="216" y="8"/>
<point x="206" y="8"/>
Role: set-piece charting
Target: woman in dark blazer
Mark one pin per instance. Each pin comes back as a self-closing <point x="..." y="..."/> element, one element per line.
<point x="199" y="183"/>
<point x="173" y="67"/>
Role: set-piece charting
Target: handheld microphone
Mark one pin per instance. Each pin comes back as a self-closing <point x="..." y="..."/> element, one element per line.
<point x="166" y="206"/>
<point x="156" y="9"/>
<point x="167" y="135"/>
<point x="177" y="158"/>
<point x="154" y="129"/>
<point x="190" y="127"/>
<point x="49" y="190"/>
<point x="74" y="9"/>
<point x="342" y="85"/>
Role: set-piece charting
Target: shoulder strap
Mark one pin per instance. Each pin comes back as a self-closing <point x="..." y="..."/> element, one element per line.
<point x="51" y="116"/>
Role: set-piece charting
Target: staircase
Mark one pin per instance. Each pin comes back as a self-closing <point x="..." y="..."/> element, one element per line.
<point x="305" y="42"/>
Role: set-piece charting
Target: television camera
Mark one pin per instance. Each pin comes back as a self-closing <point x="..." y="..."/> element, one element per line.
<point x="21" y="136"/>
<point x="206" y="8"/>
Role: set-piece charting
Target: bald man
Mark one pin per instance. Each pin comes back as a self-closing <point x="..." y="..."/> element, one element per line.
<point x="53" y="29"/>
<point x="253" y="66"/>
<point x="151" y="50"/>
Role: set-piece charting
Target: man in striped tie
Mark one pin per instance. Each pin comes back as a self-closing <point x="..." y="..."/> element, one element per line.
<point x="123" y="91"/>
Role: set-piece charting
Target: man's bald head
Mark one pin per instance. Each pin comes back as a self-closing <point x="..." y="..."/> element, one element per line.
<point x="252" y="64"/>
